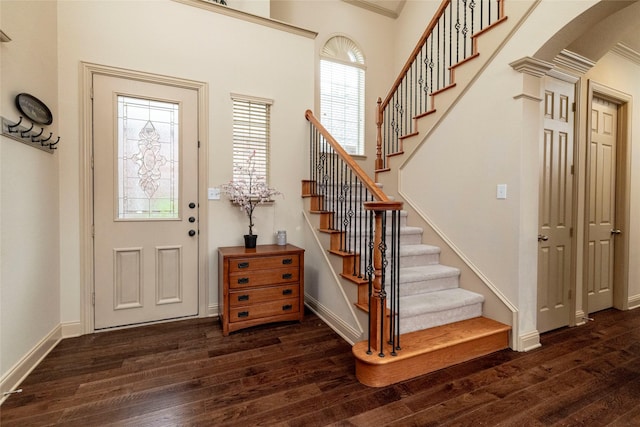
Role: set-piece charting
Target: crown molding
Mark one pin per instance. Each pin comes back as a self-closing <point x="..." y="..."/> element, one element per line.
<point x="573" y="62"/>
<point x="375" y="8"/>
<point x="532" y="66"/>
<point x="626" y="52"/>
<point x="249" y="17"/>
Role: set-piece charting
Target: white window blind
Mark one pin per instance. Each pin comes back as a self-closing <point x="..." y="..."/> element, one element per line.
<point x="342" y="104"/>
<point x="251" y="129"/>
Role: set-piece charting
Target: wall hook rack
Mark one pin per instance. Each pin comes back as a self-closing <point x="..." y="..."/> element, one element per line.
<point x="27" y="135"/>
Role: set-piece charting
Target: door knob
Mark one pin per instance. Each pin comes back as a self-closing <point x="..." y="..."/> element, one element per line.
<point x="192" y="205"/>
<point x="192" y="233"/>
<point x="616" y="231"/>
<point x="192" y="219"/>
<point x="542" y="238"/>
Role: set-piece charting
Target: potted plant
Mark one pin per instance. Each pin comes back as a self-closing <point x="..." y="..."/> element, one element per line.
<point x="248" y="191"/>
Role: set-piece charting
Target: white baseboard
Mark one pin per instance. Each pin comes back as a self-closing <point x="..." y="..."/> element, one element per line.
<point x="213" y="310"/>
<point x="529" y="341"/>
<point x="634" y="302"/>
<point x="71" y="329"/>
<point x="350" y="334"/>
<point x="12" y="379"/>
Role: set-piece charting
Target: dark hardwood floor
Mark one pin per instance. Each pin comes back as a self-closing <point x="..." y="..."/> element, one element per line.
<point x="302" y="374"/>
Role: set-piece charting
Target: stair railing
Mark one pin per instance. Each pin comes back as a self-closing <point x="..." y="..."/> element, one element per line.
<point x="365" y="225"/>
<point x="447" y="41"/>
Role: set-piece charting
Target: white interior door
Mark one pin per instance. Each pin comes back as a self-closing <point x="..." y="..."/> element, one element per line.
<point x="555" y="216"/>
<point x="602" y="205"/>
<point x="145" y="152"/>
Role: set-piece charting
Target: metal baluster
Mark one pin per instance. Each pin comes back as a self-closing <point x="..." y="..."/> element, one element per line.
<point x="383" y="291"/>
<point x="394" y="332"/>
<point x="465" y="29"/>
<point x="370" y="269"/>
<point x="396" y="269"/>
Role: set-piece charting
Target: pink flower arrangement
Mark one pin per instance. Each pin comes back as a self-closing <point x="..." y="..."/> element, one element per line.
<point x="250" y="190"/>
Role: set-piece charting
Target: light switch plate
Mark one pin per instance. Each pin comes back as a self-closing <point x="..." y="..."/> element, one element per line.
<point x="213" y="194"/>
<point x="501" y="191"/>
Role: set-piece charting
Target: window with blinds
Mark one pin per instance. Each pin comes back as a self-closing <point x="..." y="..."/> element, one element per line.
<point x="251" y="137"/>
<point x="342" y="93"/>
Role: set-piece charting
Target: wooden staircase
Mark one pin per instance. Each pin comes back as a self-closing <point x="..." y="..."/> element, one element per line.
<point x="434" y="345"/>
<point x="437" y="338"/>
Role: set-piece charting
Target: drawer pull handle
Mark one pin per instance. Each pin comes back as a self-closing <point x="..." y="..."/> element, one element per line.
<point x="287" y="292"/>
<point x="287" y="307"/>
<point x="287" y="276"/>
<point x="243" y="297"/>
<point x="287" y="261"/>
<point x="243" y="314"/>
<point x="243" y="280"/>
<point x="243" y="265"/>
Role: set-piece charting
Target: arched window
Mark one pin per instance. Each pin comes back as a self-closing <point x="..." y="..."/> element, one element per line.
<point x="342" y="93"/>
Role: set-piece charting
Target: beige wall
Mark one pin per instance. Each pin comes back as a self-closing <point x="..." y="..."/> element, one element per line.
<point x="490" y="138"/>
<point x="231" y="56"/>
<point x="29" y="284"/>
<point x="374" y="33"/>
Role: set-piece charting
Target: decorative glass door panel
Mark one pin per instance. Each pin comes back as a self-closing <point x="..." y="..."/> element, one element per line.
<point x="148" y="159"/>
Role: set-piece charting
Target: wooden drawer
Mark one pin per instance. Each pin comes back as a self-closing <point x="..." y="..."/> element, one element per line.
<point x="267" y="309"/>
<point x="260" y="295"/>
<point x="263" y="277"/>
<point x="263" y="263"/>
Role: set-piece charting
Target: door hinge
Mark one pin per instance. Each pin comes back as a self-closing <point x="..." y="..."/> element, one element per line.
<point x="198" y="144"/>
<point x="570" y="294"/>
<point x="572" y="171"/>
<point x="573" y="107"/>
<point x="570" y="231"/>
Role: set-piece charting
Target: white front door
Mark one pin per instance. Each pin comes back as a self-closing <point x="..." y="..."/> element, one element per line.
<point x="602" y="204"/>
<point x="145" y="156"/>
<point x="555" y="217"/>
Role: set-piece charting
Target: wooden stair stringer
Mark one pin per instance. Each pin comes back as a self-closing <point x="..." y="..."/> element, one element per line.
<point x="431" y="349"/>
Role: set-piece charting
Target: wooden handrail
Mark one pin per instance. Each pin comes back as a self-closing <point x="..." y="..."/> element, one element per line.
<point x="415" y="52"/>
<point x="377" y="193"/>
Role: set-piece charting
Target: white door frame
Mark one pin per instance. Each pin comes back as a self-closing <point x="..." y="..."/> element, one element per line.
<point x="623" y="185"/>
<point x="88" y="70"/>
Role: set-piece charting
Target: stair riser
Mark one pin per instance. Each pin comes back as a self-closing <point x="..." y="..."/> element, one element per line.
<point x="428" y="285"/>
<point x="431" y="320"/>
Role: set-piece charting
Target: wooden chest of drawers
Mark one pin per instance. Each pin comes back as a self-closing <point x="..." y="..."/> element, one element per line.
<point x="260" y="285"/>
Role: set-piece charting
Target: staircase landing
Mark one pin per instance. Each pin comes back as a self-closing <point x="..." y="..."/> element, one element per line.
<point x="431" y="349"/>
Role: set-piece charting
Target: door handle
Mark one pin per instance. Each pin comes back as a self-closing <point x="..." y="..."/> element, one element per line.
<point x="192" y="219"/>
<point x="616" y="231"/>
<point x="542" y="238"/>
<point x="192" y="233"/>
